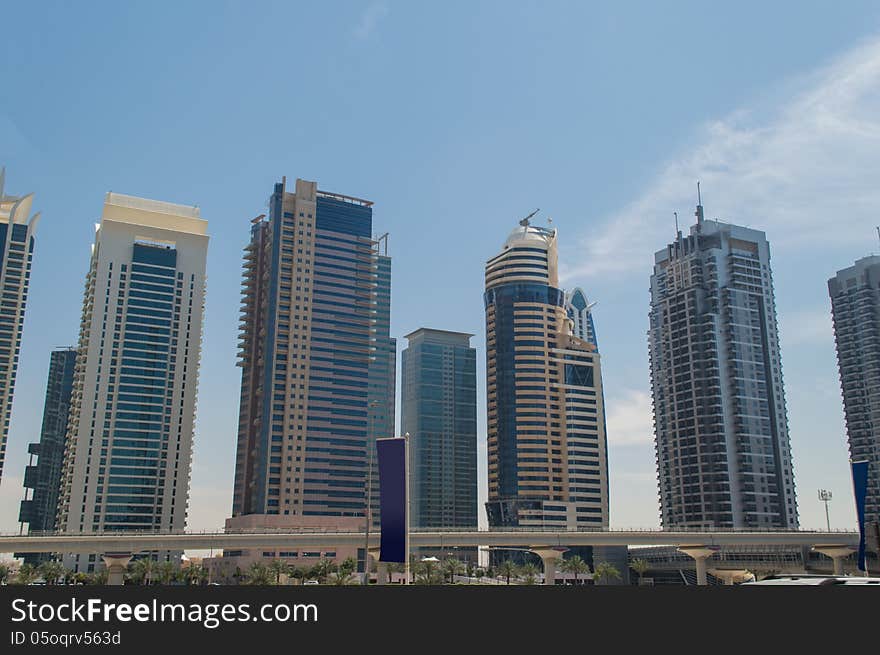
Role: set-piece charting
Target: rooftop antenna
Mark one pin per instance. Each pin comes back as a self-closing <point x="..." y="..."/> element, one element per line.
<point x="878" y="232"/>
<point x="677" y="232"/>
<point x="699" y="212"/>
<point x="525" y="222"/>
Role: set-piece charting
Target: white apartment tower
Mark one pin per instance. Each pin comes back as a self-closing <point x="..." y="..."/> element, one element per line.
<point x="129" y="442"/>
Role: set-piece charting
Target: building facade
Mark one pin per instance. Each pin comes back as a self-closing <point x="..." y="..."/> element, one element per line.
<point x="439" y="411"/>
<point x="43" y="478"/>
<point x="129" y="442"/>
<point x="721" y="429"/>
<point x="317" y="360"/>
<point x="17" y="228"/>
<point x="579" y="310"/>
<point x="855" y="307"/>
<point x="546" y="427"/>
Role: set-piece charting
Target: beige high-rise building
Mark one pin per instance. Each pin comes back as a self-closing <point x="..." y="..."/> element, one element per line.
<point x="129" y="442"/>
<point x="546" y="432"/>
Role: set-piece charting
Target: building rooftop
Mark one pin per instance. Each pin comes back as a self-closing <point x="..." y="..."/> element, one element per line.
<point x="153" y="213"/>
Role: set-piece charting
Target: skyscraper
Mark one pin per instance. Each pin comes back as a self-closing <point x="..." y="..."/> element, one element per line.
<point x="317" y="361"/>
<point x="439" y="396"/>
<point x="579" y="311"/>
<point x="129" y="442"/>
<point x="546" y="431"/>
<point x="722" y="444"/>
<point x="17" y="229"/>
<point x="44" y="478"/>
<point x="855" y="307"/>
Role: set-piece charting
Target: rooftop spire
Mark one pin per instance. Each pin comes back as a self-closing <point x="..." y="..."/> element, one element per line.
<point x="699" y="212"/>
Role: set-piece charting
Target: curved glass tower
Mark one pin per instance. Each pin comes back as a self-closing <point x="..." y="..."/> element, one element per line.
<point x="546" y="431"/>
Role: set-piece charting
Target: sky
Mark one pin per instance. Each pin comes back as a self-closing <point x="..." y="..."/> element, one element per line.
<point x="457" y="119"/>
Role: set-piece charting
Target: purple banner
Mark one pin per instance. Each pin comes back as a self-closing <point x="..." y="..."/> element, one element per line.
<point x="860" y="486"/>
<point x="392" y="498"/>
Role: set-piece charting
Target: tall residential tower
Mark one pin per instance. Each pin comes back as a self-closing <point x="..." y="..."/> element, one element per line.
<point x="855" y="306"/>
<point x="439" y="398"/>
<point x="129" y="441"/>
<point x="722" y="444"/>
<point x="317" y="361"/>
<point x="17" y="228"/>
<point x="546" y="432"/>
<point x="44" y="478"/>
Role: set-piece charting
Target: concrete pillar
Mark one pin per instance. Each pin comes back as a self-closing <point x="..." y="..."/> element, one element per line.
<point x="837" y="554"/>
<point x="700" y="555"/>
<point x="116" y="564"/>
<point x="549" y="557"/>
<point x="373" y="558"/>
<point x="731" y="576"/>
<point x="382" y="573"/>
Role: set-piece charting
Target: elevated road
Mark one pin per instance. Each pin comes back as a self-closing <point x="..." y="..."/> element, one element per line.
<point x="137" y="542"/>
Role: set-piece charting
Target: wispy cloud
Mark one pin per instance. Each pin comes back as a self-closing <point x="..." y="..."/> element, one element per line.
<point x="807" y="167"/>
<point x="630" y="419"/>
<point x="370" y="18"/>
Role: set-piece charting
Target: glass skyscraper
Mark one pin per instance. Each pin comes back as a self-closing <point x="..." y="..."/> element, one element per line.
<point x="317" y="360"/>
<point x="17" y="228"/>
<point x="129" y="442"/>
<point x="439" y="411"/>
<point x="44" y="478"/>
<point x="721" y="429"/>
<point x="855" y="306"/>
<point x="546" y="425"/>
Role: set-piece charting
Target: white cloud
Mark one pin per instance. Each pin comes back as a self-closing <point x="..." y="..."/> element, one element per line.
<point x="807" y="171"/>
<point x="629" y="419"/>
<point x="370" y="17"/>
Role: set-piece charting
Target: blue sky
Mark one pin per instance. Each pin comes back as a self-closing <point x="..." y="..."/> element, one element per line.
<point x="456" y="119"/>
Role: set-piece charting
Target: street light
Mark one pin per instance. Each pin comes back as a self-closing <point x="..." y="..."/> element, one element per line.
<point x="825" y="497"/>
<point x="368" y="492"/>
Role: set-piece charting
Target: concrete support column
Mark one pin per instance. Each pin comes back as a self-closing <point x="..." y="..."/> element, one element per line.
<point x="382" y="573"/>
<point x="731" y="576"/>
<point x="837" y="553"/>
<point x="549" y="557"/>
<point x="373" y="558"/>
<point x="116" y="564"/>
<point x="700" y="554"/>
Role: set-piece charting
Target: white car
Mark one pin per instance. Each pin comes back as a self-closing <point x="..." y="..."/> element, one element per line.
<point x="811" y="579"/>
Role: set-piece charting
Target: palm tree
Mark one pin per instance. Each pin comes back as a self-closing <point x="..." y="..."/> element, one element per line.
<point x="323" y="569"/>
<point x="394" y="567"/>
<point x="507" y="568"/>
<point x="298" y="573"/>
<point x="278" y="568"/>
<point x="51" y="571"/>
<point x="167" y="572"/>
<point x="574" y="564"/>
<point x="195" y="574"/>
<point x="97" y="577"/>
<point x="259" y="575"/>
<point x="142" y="570"/>
<point x="27" y="573"/>
<point x="606" y="571"/>
<point x="4" y="573"/>
<point x="530" y="572"/>
<point x="341" y="578"/>
<point x="349" y="565"/>
<point x="639" y="566"/>
<point x="453" y="566"/>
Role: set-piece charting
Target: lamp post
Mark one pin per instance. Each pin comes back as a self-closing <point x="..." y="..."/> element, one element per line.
<point x="368" y="492"/>
<point x="407" y="490"/>
<point x="825" y="497"/>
